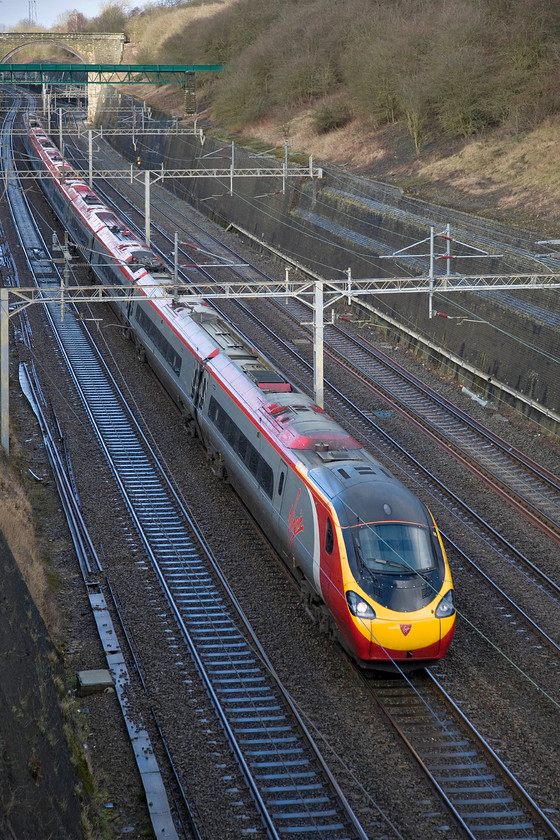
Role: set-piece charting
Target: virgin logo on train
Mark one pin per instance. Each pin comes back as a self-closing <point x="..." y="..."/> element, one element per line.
<point x="405" y="629"/>
<point x="295" y="523"/>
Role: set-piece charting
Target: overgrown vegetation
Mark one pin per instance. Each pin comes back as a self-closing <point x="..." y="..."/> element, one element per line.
<point x="451" y="68"/>
<point x="442" y="68"/>
<point x="17" y="526"/>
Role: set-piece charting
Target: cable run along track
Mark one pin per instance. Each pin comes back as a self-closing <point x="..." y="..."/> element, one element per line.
<point x="523" y="834"/>
<point x="463" y="771"/>
<point x="539" y="488"/>
<point x="485" y="797"/>
<point x="526" y="485"/>
<point x="44" y="275"/>
<point x="294" y="792"/>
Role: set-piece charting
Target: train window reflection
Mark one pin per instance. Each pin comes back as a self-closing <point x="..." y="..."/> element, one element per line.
<point x="329" y="537"/>
<point x="250" y="456"/>
<point x="394" y="548"/>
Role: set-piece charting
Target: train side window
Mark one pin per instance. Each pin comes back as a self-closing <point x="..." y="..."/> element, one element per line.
<point x="213" y="410"/>
<point x="265" y="477"/>
<point x="252" y="460"/>
<point x="242" y="445"/>
<point x="221" y="419"/>
<point x="232" y="434"/>
<point x="281" y="482"/>
<point x="329" y="537"/>
<point x="226" y="428"/>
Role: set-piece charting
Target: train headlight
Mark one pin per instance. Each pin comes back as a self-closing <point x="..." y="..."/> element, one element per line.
<point x="359" y="607"/>
<point x="445" y="607"/>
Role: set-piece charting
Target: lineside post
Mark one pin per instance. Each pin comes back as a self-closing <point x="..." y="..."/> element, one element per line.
<point x="318" y="384"/>
<point x="147" y="205"/>
<point x="90" y="156"/>
<point x="431" y="278"/>
<point x="176" y="269"/>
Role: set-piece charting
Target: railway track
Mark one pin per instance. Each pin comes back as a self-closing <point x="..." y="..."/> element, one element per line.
<point x="370" y="366"/>
<point x="292" y="788"/>
<point x="290" y="784"/>
<point x="507" y="807"/>
<point x="486" y="800"/>
<point x="523" y="483"/>
<point x="536" y="599"/>
<point x="532" y="490"/>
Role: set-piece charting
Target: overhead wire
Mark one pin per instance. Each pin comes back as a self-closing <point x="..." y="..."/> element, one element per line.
<point x="404" y="675"/>
<point x="498" y="649"/>
<point x="365" y="256"/>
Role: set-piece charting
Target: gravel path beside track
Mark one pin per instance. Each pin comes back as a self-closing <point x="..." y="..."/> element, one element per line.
<point x="323" y="683"/>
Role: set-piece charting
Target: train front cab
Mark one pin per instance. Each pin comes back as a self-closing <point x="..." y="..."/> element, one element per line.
<point x="399" y="641"/>
<point x="396" y="584"/>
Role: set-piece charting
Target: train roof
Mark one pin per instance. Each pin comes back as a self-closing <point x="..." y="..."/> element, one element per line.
<point x="290" y="417"/>
<point x="126" y="247"/>
<point x="366" y="493"/>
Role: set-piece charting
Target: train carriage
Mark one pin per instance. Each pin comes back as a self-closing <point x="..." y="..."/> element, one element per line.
<point x="366" y="551"/>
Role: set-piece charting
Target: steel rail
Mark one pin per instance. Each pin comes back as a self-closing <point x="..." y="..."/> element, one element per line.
<point x="460" y="443"/>
<point x="516" y="500"/>
<point x="466" y="819"/>
<point x="446" y="493"/>
<point x="278" y="757"/>
<point x="495" y="758"/>
<point x="156" y="798"/>
<point x="456" y="441"/>
<point x="368" y="420"/>
<point x="549" y="640"/>
<point x="550" y="479"/>
<point x="207" y="627"/>
<point x="483" y="795"/>
<point x="507" y="448"/>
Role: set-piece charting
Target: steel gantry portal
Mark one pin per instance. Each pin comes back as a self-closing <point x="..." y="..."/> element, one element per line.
<point x="323" y="294"/>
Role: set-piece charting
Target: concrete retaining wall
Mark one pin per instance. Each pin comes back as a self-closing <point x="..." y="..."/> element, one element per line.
<point x="343" y="221"/>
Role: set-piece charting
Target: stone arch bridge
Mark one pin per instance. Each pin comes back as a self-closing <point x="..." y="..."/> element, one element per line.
<point x="89" y="48"/>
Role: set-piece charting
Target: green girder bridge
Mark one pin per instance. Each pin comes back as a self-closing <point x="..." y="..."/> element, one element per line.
<point x="108" y="74"/>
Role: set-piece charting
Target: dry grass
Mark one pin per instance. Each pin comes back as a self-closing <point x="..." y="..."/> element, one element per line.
<point x="505" y="173"/>
<point x="170" y="99"/>
<point x="512" y="177"/>
<point x="519" y="174"/>
<point x="17" y="526"/>
<point x="356" y="144"/>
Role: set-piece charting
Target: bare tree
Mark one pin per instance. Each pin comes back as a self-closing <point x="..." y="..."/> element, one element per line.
<point x="113" y="17"/>
<point x="73" y="21"/>
<point x="415" y="106"/>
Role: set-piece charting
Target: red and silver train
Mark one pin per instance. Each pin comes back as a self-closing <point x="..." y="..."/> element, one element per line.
<point x="366" y="550"/>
